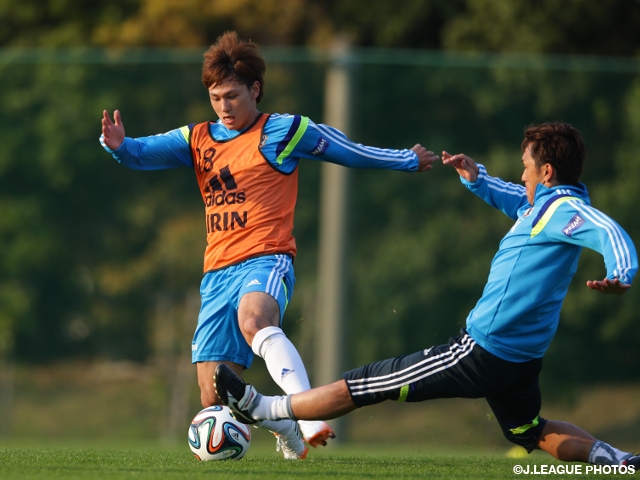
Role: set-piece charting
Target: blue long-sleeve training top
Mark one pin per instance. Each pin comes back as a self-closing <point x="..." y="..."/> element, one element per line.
<point x="518" y="313"/>
<point x="286" y="140"/>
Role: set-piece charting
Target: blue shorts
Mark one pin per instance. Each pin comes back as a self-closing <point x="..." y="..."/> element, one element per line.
<point x="218" y="335"/>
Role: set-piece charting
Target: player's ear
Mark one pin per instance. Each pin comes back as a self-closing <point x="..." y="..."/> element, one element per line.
<point x="549" y="173"/>
<point x="255" y="89"/>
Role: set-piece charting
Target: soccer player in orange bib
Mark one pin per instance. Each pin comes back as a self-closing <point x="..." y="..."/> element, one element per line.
<point x="246" y="164"/>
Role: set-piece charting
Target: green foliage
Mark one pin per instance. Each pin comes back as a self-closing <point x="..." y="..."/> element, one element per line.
<point x="72" y="217"/>
<point x="569" y="27"/>
<point x="572" y="26"/>
<point x="91" y="250"/>
<point x="57" y="23"/>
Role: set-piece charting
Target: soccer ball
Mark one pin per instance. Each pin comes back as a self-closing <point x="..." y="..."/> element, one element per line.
<point x="215" y="434"/>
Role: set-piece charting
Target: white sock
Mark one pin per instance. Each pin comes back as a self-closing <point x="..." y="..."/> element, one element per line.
<point x="604" y="454"/>
<point x="273" y="408"/>
<point x="282" y="359"/>
<point x="276" y="410"/>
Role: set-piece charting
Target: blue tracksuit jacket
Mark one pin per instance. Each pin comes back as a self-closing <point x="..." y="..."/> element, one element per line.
<point x="518" y="313"/>
<point x="286" y="139"/>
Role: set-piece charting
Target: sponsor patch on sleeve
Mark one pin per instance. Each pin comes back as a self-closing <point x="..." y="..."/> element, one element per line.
<point x="575" y="223"/>
<point x="320" y="147"/>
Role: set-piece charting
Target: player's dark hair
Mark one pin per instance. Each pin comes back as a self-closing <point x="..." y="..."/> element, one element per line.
<point x="560" y="145"/>
<point x="233" y="59"/>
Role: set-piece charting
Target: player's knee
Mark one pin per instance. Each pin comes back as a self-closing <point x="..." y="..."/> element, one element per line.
<point x="257" y="311"/>
<point x="527" y="436"/>
<point x="249" y="328"/>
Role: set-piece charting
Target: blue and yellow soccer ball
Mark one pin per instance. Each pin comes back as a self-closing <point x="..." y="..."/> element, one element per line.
<point x="214" y="434"/>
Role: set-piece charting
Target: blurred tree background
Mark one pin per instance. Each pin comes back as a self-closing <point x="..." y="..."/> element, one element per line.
<point x="95" y="256"/>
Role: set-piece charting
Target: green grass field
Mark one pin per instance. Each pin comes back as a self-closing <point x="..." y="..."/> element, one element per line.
<point x="263" y="463"/>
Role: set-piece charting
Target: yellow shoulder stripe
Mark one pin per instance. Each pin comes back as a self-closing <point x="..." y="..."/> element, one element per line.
<point x="304" y="123"/>
<point x="538" y="227"/>
<point x="185" y="132"/>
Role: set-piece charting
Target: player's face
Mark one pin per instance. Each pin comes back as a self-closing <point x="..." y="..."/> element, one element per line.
<point x="532" y="175"/>
<point x="234" y="103"/>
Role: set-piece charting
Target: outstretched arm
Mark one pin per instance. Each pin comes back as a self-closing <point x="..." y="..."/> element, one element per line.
<point x="291" y="138"/>
<point x="504" y="196"/>
<point x="578" y="223"/>
<point x="166" y="150"/>
<point x="113" y="132"/>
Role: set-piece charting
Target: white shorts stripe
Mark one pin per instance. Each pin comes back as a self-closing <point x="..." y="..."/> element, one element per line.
<point x="277" y="273"/>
